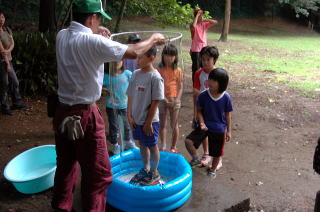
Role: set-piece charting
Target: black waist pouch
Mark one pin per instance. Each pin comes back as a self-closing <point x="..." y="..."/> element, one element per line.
<point x="52" y="104"/>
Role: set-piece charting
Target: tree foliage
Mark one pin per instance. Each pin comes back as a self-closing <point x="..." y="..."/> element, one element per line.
<point x="35" y="62"/>
<point x="302" y="7"/>
<point x="121" y="12"/>
<point x="166" y="12"/>
<point x="21" y="10"/>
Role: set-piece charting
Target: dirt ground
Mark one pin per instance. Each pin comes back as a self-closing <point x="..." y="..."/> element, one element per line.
<point x="269" y="157"/>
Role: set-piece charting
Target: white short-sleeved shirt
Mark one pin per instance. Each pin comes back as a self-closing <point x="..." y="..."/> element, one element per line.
<point x="80" y="59"/>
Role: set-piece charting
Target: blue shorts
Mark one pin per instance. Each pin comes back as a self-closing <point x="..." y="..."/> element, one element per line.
<point x="145" y="140"/>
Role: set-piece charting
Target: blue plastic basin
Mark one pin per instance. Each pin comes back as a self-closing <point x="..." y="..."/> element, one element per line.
<point x="32" y="171"/>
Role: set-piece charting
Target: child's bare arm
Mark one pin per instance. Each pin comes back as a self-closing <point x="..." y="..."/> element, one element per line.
<point x="142" y="47"/>
<point x="180" y="87"/>
<point x="195" y="20"/>
<point x="211" y="21"/>
<point x="129" y="114"/>
<point x="147" y="127"/>
<point x="195" y="97"/>
<point x="201" y="119"/>
<point x="228" y="119"/>
<point x="104" y="88"/>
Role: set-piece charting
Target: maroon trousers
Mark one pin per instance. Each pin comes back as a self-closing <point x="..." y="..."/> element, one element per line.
<point x="92" y="156"/>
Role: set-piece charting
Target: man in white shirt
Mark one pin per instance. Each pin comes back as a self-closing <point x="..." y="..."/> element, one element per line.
<point x="81" y="53"/>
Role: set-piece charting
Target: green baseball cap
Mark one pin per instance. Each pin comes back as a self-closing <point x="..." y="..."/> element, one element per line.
<point x="89" y="6"/>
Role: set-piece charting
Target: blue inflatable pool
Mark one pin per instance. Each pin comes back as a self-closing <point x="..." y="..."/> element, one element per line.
<point x="173" y="193"/>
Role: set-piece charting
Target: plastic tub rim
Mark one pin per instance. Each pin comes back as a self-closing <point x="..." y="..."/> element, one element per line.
<point x="159" y="31"/>
<point x="31" y="179"/>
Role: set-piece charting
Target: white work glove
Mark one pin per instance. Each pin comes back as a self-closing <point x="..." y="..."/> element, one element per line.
<point x="72" y="127"/>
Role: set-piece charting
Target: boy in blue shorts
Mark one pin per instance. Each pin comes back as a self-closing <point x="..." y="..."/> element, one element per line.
<point x="214" y="107"/>
<point x="145" y="91"/>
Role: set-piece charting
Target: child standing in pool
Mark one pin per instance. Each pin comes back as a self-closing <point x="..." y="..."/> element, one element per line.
<point x="145" y="91"/>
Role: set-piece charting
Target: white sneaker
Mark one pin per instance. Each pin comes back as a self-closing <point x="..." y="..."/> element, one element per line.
<point x="130" y="145"/>
<point x="116" y="149"/>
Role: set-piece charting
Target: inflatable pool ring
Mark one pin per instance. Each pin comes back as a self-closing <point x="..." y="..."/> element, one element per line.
<point x="161" y="197"/>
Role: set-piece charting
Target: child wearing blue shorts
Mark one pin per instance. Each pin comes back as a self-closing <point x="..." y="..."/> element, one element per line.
<point x="145" y="91"/>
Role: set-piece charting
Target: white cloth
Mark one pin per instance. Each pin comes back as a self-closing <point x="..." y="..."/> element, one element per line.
<point x="80" y="59"/>
<point x="71" y="126"/>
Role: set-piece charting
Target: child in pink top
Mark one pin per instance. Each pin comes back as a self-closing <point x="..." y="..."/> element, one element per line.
<point x="173" y="84"/>
<point x="198" y="31"/>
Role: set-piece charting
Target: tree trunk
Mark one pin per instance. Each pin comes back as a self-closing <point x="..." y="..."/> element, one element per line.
<point x="122" y="8"/>
<point x="46" y="15"/>
<point x="226" y="22"/>
<point x="67" y="16"/>
<point x="104" y="4"/>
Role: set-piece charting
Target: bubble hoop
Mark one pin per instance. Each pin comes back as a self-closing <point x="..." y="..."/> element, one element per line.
<point x="179" y="34"/>
<point x="167" y="197"/>
<point x="171" y="36"/>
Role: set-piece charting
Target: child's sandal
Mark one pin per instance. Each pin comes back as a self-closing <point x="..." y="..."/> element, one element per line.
<point x="211" y="173"/>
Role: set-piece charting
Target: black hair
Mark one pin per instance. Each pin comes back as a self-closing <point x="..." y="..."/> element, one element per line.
<point x="5" y="28"/>
<point x="152" y="51"/>
<point x="134" y="38"/>
<point x="211" y="51"/>
<point x="171" y="50"/>
<point x="82" y="17"/>
<point x="221" y="76"/>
